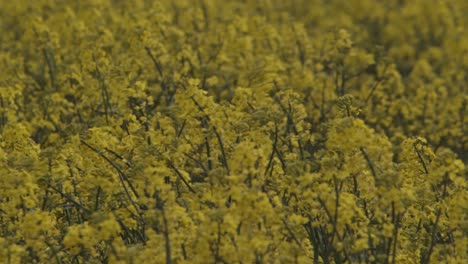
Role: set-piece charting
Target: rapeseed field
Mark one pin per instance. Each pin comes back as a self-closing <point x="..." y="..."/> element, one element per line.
<point x="235" y="131"/>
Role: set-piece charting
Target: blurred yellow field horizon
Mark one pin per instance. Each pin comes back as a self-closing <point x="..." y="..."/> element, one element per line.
<point x="237" y="131"/>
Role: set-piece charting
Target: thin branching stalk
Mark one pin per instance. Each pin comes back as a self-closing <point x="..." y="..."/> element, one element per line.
<point x="181" y="177"/>
<point x="223" y="152"/>
<point x="369" y="162"/>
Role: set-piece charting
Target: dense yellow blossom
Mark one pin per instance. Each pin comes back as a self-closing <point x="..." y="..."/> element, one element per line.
<point x="254" y="131"/>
